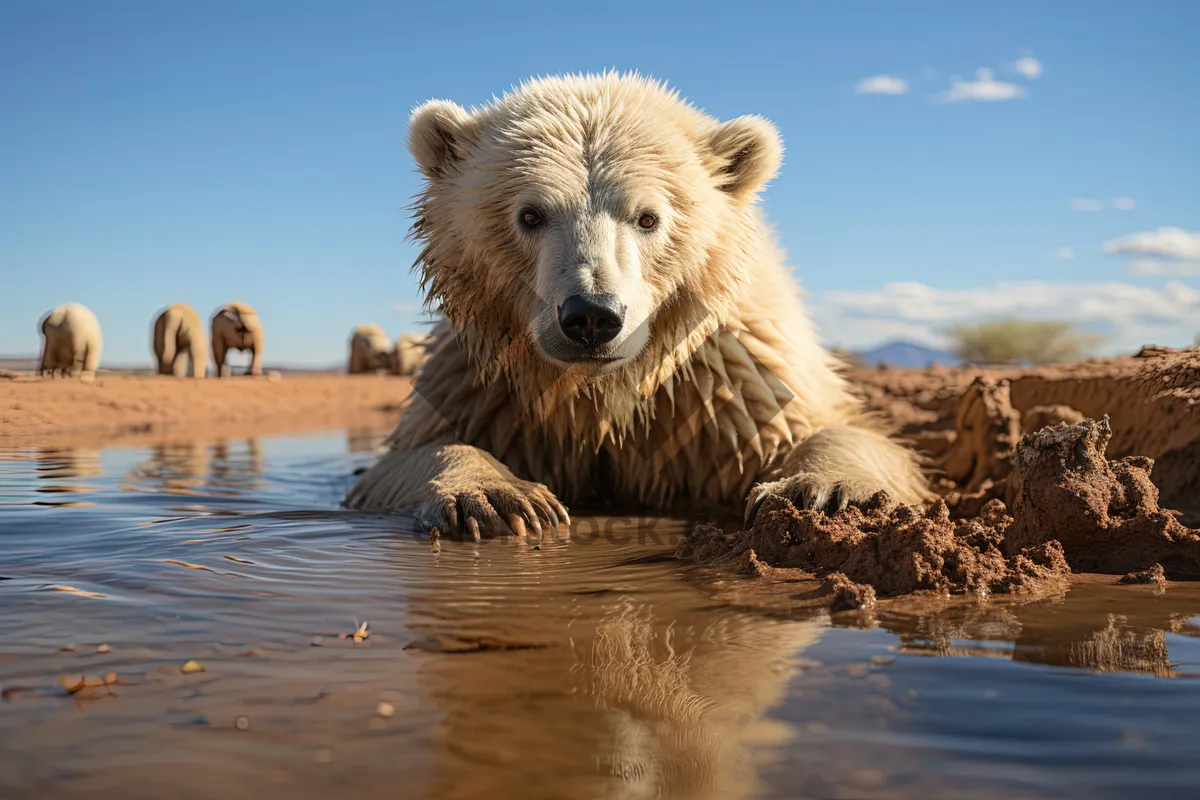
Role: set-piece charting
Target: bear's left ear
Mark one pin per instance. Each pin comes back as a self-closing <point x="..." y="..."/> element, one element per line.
<point x="438" y="133"/>
<point x="746" y="153"/>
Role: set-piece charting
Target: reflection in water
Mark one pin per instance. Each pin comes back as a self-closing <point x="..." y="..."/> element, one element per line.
<point x="555" y="668"/>
<point x="187" y="467"/>
<point x="1077" y="630"/>
<point x="173" y="467"/>
<point x="238" y="467"/>
<point x="594" y="667"/>
<point x="60" y="467"/>
<point x="365" y="439"/>
<point x="687" y="706"/>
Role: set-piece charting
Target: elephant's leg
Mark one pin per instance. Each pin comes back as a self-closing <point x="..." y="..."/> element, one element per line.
<point x="199" y="359"/>
<point x="179" y="364"/>
<point x="91" y="358"/>
<point x="169" y="351"/>
<point x="219" y="351"/>
<point x="43" y="361"/>
<point x="256" y="356"/>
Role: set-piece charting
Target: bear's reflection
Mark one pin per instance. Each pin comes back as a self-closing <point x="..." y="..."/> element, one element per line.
<point x="575" y="671"/>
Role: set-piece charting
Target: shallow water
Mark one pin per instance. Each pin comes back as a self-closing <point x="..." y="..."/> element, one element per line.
<point x="593" y="667"/>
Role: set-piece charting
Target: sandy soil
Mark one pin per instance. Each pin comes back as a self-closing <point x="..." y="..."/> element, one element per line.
<point x="1152" y="401"/>
<point x="142" y="409"/>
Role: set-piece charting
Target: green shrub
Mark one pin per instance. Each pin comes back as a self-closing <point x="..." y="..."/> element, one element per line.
<point x="1019" y="341"/>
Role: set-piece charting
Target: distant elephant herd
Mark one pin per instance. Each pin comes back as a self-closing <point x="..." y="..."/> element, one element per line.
<point x="71" y="343"/>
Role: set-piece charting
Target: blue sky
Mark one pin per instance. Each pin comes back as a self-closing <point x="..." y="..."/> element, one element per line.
<point x="157" y="152"/>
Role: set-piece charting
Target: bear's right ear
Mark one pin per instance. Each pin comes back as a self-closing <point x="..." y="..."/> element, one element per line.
<point x="747" y="152"/>
<point x="437" y="133"/>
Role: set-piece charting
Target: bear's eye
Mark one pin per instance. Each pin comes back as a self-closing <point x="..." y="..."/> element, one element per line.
<point x="531" y="217"/>
<point x="647" y="222"/>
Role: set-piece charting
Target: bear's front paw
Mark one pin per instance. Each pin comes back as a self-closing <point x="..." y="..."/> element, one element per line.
<point x="811" y="491"/>
<point x="493" y="508"/>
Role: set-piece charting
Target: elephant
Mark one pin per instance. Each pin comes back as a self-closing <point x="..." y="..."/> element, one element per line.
<point x="71" y="342"/>
<point x="370" y="350"/>
<point x="178" y="333"/>
<point x="409" y="354"/>
<point x="236" y="326"/>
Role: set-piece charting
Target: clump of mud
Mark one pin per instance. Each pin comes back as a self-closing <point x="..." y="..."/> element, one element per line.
<point x="1068" y="508"/>
<point x="890" y="549"/>
<point x="1104" y="513"/>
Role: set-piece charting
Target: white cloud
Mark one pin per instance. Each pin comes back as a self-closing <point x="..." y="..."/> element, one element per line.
<point x="882" y="84"/>
<point x="1165" y="242"/>
<point x="1028" y="66"/>
<point x="1086" y="204"/>
<point x="1065" y="253"/>
<point x="1123" y="203"/>
<point x="1128" y="315"/>
<point x="1152" y="266"/>
<point x="985" y="88"/>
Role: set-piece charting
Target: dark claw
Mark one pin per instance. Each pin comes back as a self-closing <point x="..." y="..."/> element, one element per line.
<point x="548" y="510"/>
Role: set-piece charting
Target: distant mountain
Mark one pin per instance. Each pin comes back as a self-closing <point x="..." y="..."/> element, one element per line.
<point x="907" y="354"/>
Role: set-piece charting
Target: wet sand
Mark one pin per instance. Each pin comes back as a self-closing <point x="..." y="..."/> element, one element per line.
<point x="135" y="409"/>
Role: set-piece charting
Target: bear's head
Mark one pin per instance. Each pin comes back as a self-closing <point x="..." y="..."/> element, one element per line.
<point x="588" y="223"/>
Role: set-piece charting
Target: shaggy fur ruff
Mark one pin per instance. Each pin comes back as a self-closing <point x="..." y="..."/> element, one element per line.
<point x="732" y="388"/>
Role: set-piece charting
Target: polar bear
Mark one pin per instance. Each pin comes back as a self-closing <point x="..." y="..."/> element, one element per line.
<point x="619" y="321"/>
<point x="236" y="326"/>
<point x="71" y="342"/>
<point x="409" y="353"/>
<point x="179" y="335"/>
<point x="370" y="350"/>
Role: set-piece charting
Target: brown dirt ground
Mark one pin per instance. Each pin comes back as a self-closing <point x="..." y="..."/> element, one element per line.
<point x="1042" y="472"/>
<point x="143" y="409"/>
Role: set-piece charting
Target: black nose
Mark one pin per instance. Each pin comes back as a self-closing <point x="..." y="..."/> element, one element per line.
<point x="591" y="319"/>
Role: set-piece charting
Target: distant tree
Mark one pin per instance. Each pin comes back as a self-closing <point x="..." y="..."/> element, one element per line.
<point x="1019" y="341"/>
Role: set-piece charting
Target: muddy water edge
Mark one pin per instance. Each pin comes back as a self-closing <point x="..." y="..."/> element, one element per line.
<point x="594" y="666"/>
